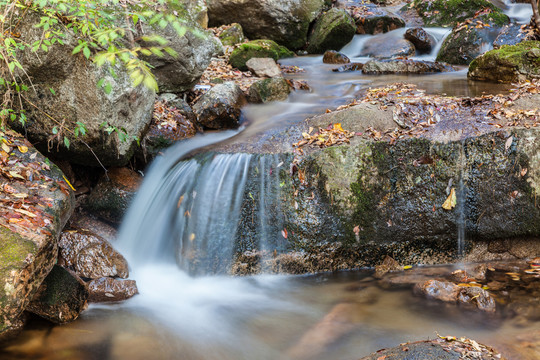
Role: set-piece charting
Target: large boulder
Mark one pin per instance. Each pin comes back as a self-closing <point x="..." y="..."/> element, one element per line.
<point x="372" y="19"/>
<point x="198" y="11"/>
<point x="220" y="107"/>
<point x="64" y="91"/>
<point x="30" y="225"/>
<point x="448" y="13"/>
<point x="285" y="21"/>
<point x="257" y="49"/>
<point x="231" y="35"/>
<point x="264" y="67"/>
<point x="404" y="67"/>
<point x="465" y="43"/>
<point x="194" y="51"/>
<point x="511" y="63"/>
<point x="510" y="34"/>
<point x="333" y="30"/>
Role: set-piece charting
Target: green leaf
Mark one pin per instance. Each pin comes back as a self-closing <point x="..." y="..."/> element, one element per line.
<point x="108" y="88"/>
<point x="52" y="91"/>
<point x="86" y="52"/>
<point x="55" y="130"/>
<point x="66" y="142"/>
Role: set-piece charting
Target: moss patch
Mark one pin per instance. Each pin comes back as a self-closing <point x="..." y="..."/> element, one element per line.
<point x="257" y="49"/>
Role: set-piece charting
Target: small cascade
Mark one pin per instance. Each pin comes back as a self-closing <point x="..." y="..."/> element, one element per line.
<point x="461" y="197"/>
<point x="518" y="12"/>
<point x="189" y="211"/>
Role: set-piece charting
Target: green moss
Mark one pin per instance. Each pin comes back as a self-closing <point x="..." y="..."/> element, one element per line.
<point x="451" y="12"/>
<point x="333" y="30"/>
<point x="257" y="49"/>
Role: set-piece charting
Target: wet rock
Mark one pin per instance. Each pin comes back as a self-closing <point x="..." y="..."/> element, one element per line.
<point x="220" y="107"/>
<point x="450" y="13"/>
<point x="510" y="34"/>
<point x="438" y="290"/>
<point x="509" y="64"/>
<point x="178" y="103"/>
<point x="257" y="49"/>
<point x="285" y="22"/>
<point x="274" y="89"/>
<point x="90" y="256"/>
<point x="231" y="35"/>
<point x="61" y="297"/>
<point x="263" y="67"/>
<point x="334" y="57"/>
<point x="113" y="193"/>
<point x="28" y="242"/>
<point x="372" y="19"/>
<point x="341" y="320"/>
<point x="76" y="98"/>
<point x="478" y="298"/>
<point x="108" y="289"/>
<point x="387" y="265"/>
<point x="404" y="67"/>
<point x="422" y="41"/>
<point x="464" y="44"/>
<point x="349" y="67"/>
<point x="194" y="52"/>
<point x="380" y="47"/>
<point x="333" y="30"/>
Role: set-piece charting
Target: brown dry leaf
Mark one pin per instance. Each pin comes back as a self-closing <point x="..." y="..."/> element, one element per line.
<point x="508" y="142"/>
<point x="523" y="172"/>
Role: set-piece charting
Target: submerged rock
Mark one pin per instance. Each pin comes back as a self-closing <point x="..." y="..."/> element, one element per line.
<point x="220" y="107"/>
<point x="380" y="47"/>
<point x="404" y="67"/>
<point x="334" y="57"/>
<point x="61" y="297"/>
<point x="510" y="63"/>
<point x="439" y="290"/>
<point x="112" y="195"/>
<point x="274" y="89"/>
<point x="478" y="298"/>
<point x="257" y="49"/>
<point x="263" y="67"/>
<point x="285" y="22"/>
<point x="333" y="30"/>
<point x="107" y="289"/>
<point x="422" y="41"/>
<point x="90" y="256"/>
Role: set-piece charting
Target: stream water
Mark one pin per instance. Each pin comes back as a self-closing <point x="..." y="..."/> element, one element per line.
<point x="177" y="316"/>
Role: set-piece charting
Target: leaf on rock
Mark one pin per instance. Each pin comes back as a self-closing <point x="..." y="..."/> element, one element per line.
<point x="451" y="201"/>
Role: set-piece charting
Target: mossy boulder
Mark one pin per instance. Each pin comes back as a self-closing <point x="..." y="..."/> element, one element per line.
<point x="332" y="30"/>
<point x="41" y="203"/>
<point x="447" y="13"/>
<point x="286" y="22"/>
<point x="232" y="35"/>
<point x="273" y="89"/>
<point x="257" y="49"/>
<point x="372" y="19"/>
<point x="510" y="63"/>
<point x="464" y="44"/>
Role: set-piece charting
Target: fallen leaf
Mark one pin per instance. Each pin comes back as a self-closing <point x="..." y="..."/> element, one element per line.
<point x="508" y="142"/>
<point x="23" y="149"/>
<point x="451" y="201"/>
<point x="284" y="233"/>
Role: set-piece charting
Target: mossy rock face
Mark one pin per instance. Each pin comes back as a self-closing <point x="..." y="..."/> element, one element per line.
<point x="273" y="89"/>
<point x="257" y="49"/>
<point x="333" y="30"/>
<point x="448" y="13"/>
<point x="463" y="45"/>
<point x="29" y="241"/>
<point x="510" y="63"/>
<point x="232" y="35"/>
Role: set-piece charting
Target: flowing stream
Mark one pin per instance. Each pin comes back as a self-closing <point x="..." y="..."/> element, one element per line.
<point x="187" y="207"/>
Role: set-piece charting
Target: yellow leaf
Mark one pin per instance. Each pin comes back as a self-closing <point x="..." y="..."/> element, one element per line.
<point x="23" y="149"/>
<point x="407" y="267"/>
<point x="67" y="182"/>
<point x="27" y="213"/>
<point x="451" y="201"/>
<point x="337" y="127"/>
<point x="20" y="195"/>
